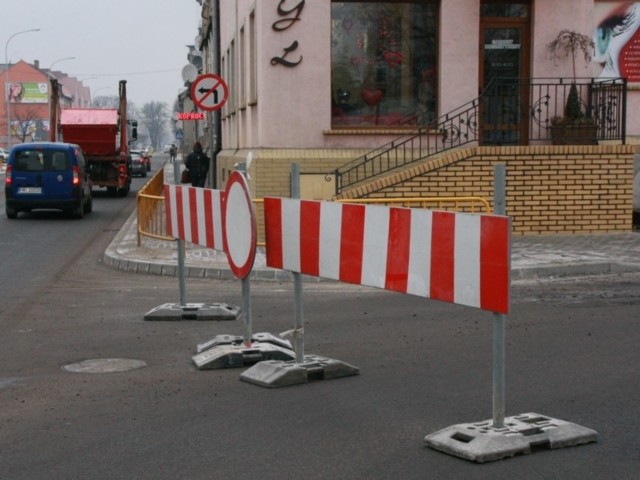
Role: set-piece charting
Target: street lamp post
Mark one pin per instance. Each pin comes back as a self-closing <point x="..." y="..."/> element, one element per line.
<point x="7" y="84"/>
<point x="49" y="76"/>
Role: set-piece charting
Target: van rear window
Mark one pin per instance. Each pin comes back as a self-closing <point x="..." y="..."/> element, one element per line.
<point x="41" y="161"/>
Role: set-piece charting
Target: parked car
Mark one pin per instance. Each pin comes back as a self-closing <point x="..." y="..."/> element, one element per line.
<point x="4" y="155"/>
<point x="47" y="175"/>
<point x="138" y="163"/>
<point x="166" y="148"/>
<point x="146" y="154"/>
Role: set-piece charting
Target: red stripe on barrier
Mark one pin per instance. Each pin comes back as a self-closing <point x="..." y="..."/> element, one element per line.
<point x="193" y="215"/>
<point x="209" y="221"/>
<point x="352" y="236"/>
<point x="442" y="256"/>
<point x="494" y="264"/>
<point x="398" y="249"/>
<point x="179" y="210"/>
<point x="273" y="231"/>
<point x="167" y="210"/>
<point x="310" y="237"/>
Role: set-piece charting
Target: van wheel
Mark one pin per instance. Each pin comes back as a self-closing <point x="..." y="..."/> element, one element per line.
<point x="88" y="205"/>
<point x="11" y="213"/>
<point x="78" y="212"/>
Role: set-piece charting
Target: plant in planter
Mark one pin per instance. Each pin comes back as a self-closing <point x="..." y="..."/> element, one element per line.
<point x="576" y="126"/>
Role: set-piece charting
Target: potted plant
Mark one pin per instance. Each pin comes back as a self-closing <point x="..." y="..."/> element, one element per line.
<point x="576" y="126"/>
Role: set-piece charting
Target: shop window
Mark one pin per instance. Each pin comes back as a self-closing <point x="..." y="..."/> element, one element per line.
<point x="383" y="63"/>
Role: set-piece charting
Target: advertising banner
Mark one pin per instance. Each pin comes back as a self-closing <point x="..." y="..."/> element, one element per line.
<point x="28" y="92"/>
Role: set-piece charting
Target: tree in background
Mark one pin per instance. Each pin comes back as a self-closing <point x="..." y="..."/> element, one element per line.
<point x="154" y="116"/>
<point x="105" y="101"/>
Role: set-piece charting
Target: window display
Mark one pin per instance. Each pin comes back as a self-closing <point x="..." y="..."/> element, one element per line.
<point x="383" y="69"/>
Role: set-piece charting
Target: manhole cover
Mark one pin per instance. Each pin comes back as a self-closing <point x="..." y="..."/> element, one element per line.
<point x="105" y="365"/>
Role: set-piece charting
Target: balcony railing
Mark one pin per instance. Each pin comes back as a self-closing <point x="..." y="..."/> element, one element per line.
<point x="510" y="111"/>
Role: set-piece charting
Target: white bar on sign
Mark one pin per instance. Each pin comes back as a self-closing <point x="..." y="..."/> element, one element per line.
<point x="466" y="256"/>
<point x="419" y="281"/>
<point x="291" y="234"/>
<point x="330" y="229"/>
<point x="375" y="246"/>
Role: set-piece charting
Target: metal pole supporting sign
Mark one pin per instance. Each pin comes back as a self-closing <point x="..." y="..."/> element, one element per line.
<point x="240" y="240"/>
<point x="490" y="440"/>
<point x="280" y="373"/>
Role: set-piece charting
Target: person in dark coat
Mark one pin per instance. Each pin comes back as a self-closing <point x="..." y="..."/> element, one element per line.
<point x="198" y="165"/>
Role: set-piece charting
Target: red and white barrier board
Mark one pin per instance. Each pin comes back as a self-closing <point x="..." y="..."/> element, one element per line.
<point x="195" y="215"/>
<point x="460" y="258"/>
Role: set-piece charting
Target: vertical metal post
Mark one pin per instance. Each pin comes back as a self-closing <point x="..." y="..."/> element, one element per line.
<point x="298" y="317"/>
<point x="246" y="311"/>
<point x="181" y="252"/>
<point x="499" y="208"/>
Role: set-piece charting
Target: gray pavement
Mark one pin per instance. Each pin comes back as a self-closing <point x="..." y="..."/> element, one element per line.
<point x="532" y="257"/>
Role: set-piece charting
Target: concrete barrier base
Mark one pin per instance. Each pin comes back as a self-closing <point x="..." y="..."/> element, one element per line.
<point x="273" y="373"/>
<point x="230" y="351"/>
<point x="193" y="311"/>
<point x="522" y="434"/>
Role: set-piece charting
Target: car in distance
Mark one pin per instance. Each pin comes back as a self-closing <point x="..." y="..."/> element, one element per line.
<point x="138" y="163"/>
<point x="146" y="154"/>
<point x="4" y="155"/>
<point x="47" y="175"/>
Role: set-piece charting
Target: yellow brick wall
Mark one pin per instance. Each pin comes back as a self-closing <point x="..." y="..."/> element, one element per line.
<point x="550" y="189"/>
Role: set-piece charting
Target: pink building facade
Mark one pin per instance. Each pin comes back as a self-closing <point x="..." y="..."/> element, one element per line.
<point x="321" y="82"/>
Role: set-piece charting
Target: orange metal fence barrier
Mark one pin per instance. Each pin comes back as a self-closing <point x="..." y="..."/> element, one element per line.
<point x="152" y="219"/>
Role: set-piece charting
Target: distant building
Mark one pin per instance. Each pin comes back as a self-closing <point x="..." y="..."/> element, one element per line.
<point x="29" y="90"/>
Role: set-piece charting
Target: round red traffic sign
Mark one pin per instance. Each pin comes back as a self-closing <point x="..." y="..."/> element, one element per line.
<point x="209" y="92"/>
<point x="239" y="229"/>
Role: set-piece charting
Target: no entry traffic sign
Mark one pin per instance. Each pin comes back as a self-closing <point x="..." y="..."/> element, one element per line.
<point x="239" y="226"/>
<point x="209" y="92"/>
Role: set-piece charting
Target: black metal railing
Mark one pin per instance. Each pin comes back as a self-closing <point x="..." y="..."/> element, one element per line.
<point x="509" y="111"/>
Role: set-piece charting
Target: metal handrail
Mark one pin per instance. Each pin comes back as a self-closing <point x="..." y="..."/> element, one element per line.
<point x="508" y="111"/>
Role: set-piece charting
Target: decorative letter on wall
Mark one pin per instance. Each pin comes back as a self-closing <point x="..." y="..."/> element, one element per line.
<point x="284" y="24"/>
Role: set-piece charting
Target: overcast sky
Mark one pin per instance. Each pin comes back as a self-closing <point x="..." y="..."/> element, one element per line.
<point x="141" y="41"/>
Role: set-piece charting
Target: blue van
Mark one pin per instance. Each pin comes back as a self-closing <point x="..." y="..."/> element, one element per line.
<point x="47" y="175"/>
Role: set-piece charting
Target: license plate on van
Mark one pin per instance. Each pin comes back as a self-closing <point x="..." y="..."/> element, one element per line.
<point x="31" y="190"/>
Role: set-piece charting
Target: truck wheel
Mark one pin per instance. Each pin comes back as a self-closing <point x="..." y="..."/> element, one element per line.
<point x="11" y="213"/>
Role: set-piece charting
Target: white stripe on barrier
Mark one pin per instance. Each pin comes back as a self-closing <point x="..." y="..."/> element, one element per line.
<point x="467" y="265"/>
<point x="376" y="226"/>
<point x="419" y="278"/>
<point x="330" y="227"/>
<point x="291" y="239"/>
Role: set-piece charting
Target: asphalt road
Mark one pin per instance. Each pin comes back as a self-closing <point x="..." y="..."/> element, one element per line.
<point x="572" y="354"/>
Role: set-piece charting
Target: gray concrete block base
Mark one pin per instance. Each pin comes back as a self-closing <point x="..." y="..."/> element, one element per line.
<point x="522" y="434"/>
<point x="230" y="351"/>
<point x="274" y="373"/>
<point x="193" y="311"/>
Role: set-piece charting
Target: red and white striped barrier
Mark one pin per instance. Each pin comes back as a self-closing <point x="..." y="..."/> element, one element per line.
<point x="195" y="215"/>
<point x="460" y="258"/>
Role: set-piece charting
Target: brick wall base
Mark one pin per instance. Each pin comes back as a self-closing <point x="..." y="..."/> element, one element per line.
<point x="550" y="189"/>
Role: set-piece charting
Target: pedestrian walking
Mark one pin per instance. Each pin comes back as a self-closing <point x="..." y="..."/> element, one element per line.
<point x="198" y="165"/>
<point x="173" y="151"/>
